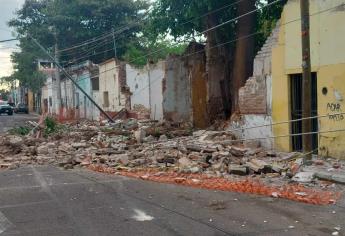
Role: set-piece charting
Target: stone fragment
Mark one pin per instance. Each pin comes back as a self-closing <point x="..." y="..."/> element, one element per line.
<point x="338" y="178"/>
<point x="304" y="177"/>
<point x="123" y="159"/>
<point x="277" y="168"/>
<point x="79" y="145"/>
<point x="238" y="170"/>
<point x="163" y="138"/>
<point x="258" y="166"/>
<point x="43" y="150"/>
<point x="194" y="170"/>
<point x="252" y="144"/>
<point x="149" y="139"/>
<point x="184" y="162"/>
<point x="139" y="135"/>
<point x="239" y="152"/>
<point x="15" y="140"/>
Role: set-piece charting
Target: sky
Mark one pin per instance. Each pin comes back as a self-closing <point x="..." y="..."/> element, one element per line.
<point x="8" y="7"/>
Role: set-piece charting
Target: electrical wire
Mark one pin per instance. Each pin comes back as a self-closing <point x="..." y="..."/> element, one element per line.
<point x="231" y="41"/>
<point x="7" y="40"/>
<point x="213" y="28"/>
<point x="144" y="19"/>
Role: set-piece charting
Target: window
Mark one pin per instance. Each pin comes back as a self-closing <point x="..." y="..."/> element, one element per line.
<point x="95" y="83"/>
<point x="106" y="99"/>
<point x="296" y="88"/>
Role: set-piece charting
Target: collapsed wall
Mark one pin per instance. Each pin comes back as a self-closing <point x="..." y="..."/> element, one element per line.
<point x="255" y="98"/>
<point x="185" y="87"/>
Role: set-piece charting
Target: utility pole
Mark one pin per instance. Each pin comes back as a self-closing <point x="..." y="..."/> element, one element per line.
<point x="115" y="51"/>
<point x="306" y="87"/>
<point x="57" y="75"/>
<point x="71" y="79"/>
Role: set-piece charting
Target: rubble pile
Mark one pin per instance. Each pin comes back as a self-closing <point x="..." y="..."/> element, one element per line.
<point x="132" y="145"/>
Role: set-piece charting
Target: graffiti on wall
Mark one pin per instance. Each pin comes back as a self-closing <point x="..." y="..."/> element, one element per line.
<point x="335" y="107"/>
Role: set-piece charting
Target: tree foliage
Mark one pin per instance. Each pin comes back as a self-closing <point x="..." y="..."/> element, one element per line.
<point x="67" y="23"/>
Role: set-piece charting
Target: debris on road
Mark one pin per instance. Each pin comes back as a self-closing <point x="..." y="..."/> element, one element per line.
<point x="174" y="154"/>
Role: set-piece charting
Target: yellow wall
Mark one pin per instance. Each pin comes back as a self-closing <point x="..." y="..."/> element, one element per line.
<point x="328" y="61"/>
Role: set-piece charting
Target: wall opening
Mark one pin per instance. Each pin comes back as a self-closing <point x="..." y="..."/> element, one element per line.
<point x="296" y="111"/>
<point x="106" y="99"/>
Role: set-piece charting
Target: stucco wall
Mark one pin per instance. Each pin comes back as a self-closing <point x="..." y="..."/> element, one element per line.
<point x="176" y="91"/>
<point x="84" y="104"/>
<point x="145" y="84"/>
<point x="52" y="95"/>
<point x="109" y="82"/>
<point x="138" y="83"/>
<point x="328" y="61"/>
<point x="156" y="92"/>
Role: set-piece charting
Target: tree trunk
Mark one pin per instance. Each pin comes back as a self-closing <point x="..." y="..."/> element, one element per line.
<point x="216" y="70"/>
<point x="244" y="52"/>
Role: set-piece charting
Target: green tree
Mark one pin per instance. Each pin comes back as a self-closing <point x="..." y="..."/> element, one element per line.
<point x="69" y="22"/>
<point x="230" y="64"/>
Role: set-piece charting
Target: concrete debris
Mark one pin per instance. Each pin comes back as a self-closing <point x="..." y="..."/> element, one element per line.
<point x="141" y="144"/>
<point x="337" y="178"/>
<point x="304" y="177"/>
<point x="238" y="170"/>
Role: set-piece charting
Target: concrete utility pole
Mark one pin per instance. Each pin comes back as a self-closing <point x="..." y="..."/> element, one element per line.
<point x="57" y="75"/>
<point x="306" y="66"/>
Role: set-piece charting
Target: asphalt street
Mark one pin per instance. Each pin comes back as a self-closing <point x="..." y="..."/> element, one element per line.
<point x="7" y="122"/>
<point x="49" y="201"/>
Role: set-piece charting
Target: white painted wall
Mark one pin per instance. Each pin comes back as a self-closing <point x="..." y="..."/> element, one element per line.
<point x="157" y="73"/>
<point x="248" y="121"/>
<point x="109" y="81"/>
<point x="138" y="83"/>
<point x="146" y="87"/>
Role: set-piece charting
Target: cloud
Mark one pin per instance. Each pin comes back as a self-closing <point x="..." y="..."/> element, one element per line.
<point x="8" y="8"/>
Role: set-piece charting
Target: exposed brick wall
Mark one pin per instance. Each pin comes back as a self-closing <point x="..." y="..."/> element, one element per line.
<point x="253" y="96"/>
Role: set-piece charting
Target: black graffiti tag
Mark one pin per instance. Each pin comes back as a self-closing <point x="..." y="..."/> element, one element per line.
<point x="335" y="107"/>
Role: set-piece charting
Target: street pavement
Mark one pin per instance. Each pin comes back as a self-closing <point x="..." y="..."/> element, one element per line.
<point x="7" y="122"/>
<point x="50" y="201"/>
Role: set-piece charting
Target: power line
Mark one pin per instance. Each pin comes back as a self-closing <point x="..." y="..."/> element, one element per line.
<point x="237" y="18"/>
<point x="87" y="56"/>
<point x="7" y="40"/>
<point x="144" y="19"/>
<point x="104" y="42"/>
<point x="213" y="28"/>
<point x="106" y="35"/>
<point x="231" y="41"/>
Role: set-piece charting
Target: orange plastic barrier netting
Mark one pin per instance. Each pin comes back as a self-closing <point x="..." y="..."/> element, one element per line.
<point x="294" y="192"/>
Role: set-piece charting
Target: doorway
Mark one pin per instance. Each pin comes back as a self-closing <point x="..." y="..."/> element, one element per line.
<point x="296" y="111"/>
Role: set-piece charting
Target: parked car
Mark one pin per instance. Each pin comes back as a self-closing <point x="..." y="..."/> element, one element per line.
<point x="12" y="104"/>
<point x="21" y="108"/>
<point x="5" y="108"/>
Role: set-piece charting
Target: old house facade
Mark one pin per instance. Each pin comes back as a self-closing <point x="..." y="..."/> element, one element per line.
<point x="75" y="103"/>
<point x="112" y="86"/>
<point x="328" y="76"/>
<point x="273" y="96"/>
